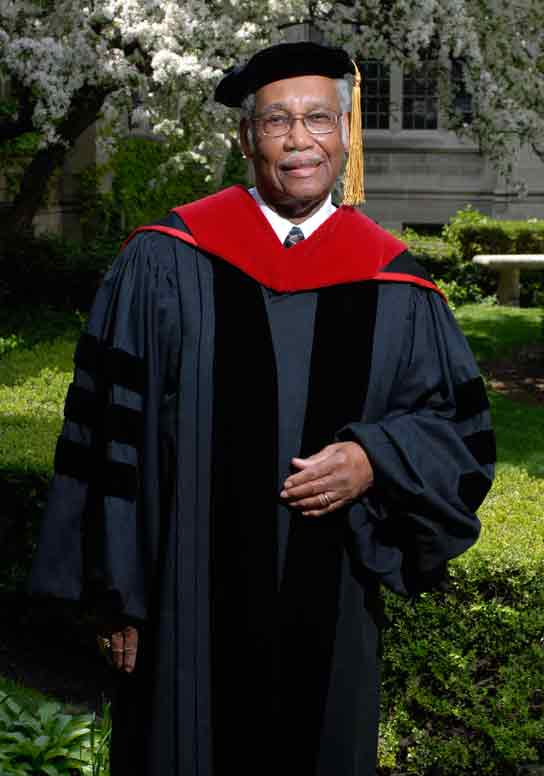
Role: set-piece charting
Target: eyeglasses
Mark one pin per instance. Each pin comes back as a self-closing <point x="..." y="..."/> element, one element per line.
<point x="278" y="123"/>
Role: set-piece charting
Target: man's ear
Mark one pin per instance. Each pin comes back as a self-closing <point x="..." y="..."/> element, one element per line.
<point x="245" y="138"/>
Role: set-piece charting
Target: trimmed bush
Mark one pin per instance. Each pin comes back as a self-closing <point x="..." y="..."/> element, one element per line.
<point x="462" y="281"/>
<point x="449" y="258"/>
<point x="50" y="270"/>
<point x="464" y="670"/>
<point x="470" y="232"/>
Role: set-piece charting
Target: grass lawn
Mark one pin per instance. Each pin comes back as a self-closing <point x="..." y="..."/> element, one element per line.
<point x="494" y="331"/>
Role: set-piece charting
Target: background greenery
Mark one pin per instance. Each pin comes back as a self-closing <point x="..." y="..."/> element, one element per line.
<point x="38" y="738"/>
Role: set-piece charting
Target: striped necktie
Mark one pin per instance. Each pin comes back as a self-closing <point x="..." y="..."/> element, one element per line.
<point x="294" y="236"/>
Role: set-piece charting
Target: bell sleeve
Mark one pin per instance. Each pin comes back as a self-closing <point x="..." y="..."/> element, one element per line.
<point x="432" y="453"/>
<point x="100" y="533"/>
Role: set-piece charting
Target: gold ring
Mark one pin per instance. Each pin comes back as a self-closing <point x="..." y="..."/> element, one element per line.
<point x="103" y="642"/>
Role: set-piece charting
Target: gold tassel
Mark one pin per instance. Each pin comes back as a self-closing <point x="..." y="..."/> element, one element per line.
<point x="354" y="191"/>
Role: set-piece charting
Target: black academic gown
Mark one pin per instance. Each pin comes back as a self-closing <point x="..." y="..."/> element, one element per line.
<point x="260" y="629"/>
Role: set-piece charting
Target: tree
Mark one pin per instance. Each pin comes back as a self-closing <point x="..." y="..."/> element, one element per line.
<point x="69" y="63"/>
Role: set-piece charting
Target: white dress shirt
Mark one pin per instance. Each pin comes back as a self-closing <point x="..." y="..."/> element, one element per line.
<point x="282" y="226"/>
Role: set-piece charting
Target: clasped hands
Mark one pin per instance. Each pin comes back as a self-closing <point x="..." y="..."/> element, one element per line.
<point x="328" y="480"/>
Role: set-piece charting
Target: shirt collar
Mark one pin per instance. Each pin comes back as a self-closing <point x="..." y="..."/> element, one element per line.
<point x="282" y="226"/>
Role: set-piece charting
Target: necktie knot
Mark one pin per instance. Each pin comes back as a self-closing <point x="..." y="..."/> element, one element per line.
<point x="295" y="235"/>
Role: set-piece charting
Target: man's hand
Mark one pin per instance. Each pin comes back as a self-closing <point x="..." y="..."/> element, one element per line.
<point x="328" y="480"/>
<point x="120" y="647"/>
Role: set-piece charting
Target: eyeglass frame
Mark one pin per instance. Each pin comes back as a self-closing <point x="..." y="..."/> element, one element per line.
<point x="294" y="116"/>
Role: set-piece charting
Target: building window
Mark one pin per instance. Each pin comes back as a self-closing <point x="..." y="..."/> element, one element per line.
<point x="375" y="100"/>
<point x="420" y="97"/>
<point x="462" y="99"/>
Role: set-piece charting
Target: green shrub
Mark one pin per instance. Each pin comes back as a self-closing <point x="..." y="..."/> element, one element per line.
<point x="470" y="232"/>
<point x="448" y="258"/>
<point x="459" y="294"/>
<point x="49" y="270"/>
<point x="38" y="739"/>
<point x="462" y="281"/>
<point x="145" y="186"/>
<point x="464" y="670"/>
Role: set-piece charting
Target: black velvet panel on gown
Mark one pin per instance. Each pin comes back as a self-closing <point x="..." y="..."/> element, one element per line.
<point x="272" y="654"/>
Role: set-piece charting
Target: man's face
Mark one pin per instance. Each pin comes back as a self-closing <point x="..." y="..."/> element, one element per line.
<point x="294" y="173"/>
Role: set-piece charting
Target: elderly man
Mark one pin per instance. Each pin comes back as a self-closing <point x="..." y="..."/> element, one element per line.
<point x="273" y="413"/>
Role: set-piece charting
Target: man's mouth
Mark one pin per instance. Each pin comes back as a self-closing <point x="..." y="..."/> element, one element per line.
<point x="300" y="167"/>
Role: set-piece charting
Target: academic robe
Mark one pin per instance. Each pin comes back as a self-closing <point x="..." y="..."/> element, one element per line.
<point x="212" y="355"/>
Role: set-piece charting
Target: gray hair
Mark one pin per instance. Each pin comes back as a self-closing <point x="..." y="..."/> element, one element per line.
<point x="343" y="90"/>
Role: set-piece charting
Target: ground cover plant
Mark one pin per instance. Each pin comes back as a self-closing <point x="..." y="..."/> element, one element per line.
<point x="38" y="737"/>
<point x="463" y="671"/>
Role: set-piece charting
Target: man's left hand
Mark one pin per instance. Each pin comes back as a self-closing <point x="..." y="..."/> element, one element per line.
<point x="328" y="480"/>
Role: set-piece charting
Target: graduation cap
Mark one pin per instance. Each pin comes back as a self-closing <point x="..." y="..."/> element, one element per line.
<point x="289" y="60"/>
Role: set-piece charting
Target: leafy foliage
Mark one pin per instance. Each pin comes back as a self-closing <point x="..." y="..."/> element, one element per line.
<point x="41" y="740"/>
<point x="470" y="232"/>
<point x="145" y="185"/>
<point x="55" y="272"/>
<point x="449" y="257"/>
<point x="464" y="669"/>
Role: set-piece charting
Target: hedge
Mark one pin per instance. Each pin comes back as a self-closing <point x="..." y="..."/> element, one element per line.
<point x="449" y="257"/>
<point x="463" y="670"/>
<point x="471" y="232"/>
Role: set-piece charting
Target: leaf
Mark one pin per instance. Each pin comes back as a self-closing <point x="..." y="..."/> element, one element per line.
<point x="75" y="734"/>
<point x="9" y="703"/>
<point x="59" y="751"/>
<point x="48" y="711"/>
<point x="14" y="735"/>
<point x="50" y="770"/>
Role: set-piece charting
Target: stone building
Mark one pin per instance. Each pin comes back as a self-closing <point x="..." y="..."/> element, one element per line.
<point x="417" y="172"/>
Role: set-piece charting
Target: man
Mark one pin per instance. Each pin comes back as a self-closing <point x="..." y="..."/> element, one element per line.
<point x="273" y="412"/>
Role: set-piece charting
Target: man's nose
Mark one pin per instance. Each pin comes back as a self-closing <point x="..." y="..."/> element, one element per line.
<point x="298" y="136"/>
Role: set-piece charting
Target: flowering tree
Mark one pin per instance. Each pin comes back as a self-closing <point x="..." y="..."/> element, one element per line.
<point x="69" y="63"/>
<point x="497" y="43"/>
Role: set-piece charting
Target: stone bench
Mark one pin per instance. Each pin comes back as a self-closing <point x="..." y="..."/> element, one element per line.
<point x="508" y="267"/>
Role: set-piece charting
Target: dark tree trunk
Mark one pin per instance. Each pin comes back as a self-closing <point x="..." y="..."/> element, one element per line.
<point x="19" y="216"/>
<point x="83" y="112"/>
